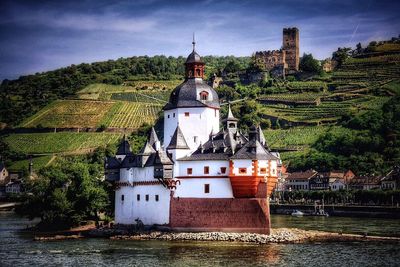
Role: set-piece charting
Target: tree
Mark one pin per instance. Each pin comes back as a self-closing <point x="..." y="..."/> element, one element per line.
<point x="341" y="55"/>
<point x="309" y="64"/>
<point x="65" y="194"/>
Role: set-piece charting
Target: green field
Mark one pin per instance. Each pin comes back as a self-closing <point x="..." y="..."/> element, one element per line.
<point x="297" y="137"/>
<point x="38" y="162"/>
<point x="138" y="91"/>
<point x="47" y="143"/>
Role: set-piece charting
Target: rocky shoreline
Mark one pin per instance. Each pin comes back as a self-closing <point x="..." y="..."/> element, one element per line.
<point x="281" y="235"/>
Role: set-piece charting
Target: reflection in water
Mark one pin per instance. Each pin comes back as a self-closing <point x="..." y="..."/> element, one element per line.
<point x="19" y="250"/>
<point x="372" y="226"/>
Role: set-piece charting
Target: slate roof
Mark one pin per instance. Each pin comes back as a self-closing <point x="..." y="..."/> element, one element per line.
<point x="178" y="140"/>
<point x="254" y="150"/>
<point x="124" y="148"/>
<point x="112" y="163"/>
<point x="187" y="94"/>
<point x="302" y="175"/>
<point x="153" y="137"/>
<point x="193" y="58"/>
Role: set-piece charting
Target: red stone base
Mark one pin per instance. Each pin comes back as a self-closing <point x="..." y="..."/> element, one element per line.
<point x="220" y="214"/>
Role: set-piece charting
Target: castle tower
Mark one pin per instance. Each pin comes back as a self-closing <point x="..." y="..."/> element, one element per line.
<point x="292" y="48"/>
<point x="193" y="105"/>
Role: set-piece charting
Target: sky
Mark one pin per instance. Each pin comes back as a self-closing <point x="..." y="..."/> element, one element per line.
<point x="37" y="36"/>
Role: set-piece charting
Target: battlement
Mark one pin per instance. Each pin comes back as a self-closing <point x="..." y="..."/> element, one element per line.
<point x="293" y="30"/>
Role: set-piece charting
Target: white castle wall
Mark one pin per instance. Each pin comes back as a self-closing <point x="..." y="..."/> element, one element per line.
<point x="194" y="187"/>
<point x="200" y="123"/>
<point x="149" y="212"/>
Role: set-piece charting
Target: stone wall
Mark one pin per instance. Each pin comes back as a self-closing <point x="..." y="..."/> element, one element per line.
<point x="271" y="59"/>
<point x="291" y="46"/>
<point x="220" y="214"/>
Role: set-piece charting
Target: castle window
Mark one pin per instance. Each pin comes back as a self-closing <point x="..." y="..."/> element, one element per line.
<point x="232" y="125"/>
<point x="242" y="170"/>
<point x="273" y="171"/>
<point x="203" y="95"/>
<point x="189" y="170"/>
<point x="263" y="170"/>
<point x="207" y="188"/>
<point x="195" y="139"/>
<point x="223" y="169"/>
<point x="138" y="197"/>
<point x="198" y="72"/>
<point x="173" y="115"/>
<point x="186" y="114"/>
<point x="122" y="197"/>
<point x="168" y="116"/>
<point x="147" y="197"/>
<point x="157" y="198"/>
<point x="206" y="170"/>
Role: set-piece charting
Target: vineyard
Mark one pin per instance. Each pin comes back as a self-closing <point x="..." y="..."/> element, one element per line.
<point x="69" y="114"/>
<point x="131" y="114"/>
<point x="137" y="91"/>
<point x="47" y="143"/>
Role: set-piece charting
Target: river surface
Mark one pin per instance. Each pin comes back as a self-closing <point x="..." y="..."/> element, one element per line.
<point x="18" y="249"/>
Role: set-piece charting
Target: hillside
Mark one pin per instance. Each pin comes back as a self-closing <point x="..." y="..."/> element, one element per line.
<point x="297" y="114"/>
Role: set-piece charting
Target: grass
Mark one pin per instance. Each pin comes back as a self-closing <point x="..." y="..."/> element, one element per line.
<point x="393" y="86"/>
<point x="47" y="143"/>
<point x="297" y="137"/>
<point x="38" y="163"/>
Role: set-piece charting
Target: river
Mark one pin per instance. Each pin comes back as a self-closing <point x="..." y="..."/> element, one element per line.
<point x="18" y="249"/>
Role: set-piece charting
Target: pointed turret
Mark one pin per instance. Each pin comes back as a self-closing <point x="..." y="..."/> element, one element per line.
<point x="145" y="153"/>
<point x="178" y="140"/>
<point x="123" y="150"/>
<point x="231" y="121"/>
<point x="261" y="137"/>
<point x="153" y="140"/>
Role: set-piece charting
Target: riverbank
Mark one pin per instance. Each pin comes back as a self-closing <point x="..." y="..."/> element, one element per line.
<point x="280" y="235"/>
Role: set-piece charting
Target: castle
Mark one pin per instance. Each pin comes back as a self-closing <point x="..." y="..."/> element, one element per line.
<point x="283" y="61"/>
<point x="202" y="178"/>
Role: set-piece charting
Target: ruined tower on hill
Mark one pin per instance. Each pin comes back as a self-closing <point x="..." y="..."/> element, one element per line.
<point x="291" y="46"/>
<point x="283" y="61"/>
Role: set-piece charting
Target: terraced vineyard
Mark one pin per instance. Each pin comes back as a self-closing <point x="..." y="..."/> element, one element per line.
<point x="131" y="114"/>
<point x="47" y="143"/>
<point x="138" y="91"/>
<point x="69" y="114"/>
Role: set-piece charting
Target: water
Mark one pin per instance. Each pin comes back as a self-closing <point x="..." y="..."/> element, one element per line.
<point x="18" y="249"/>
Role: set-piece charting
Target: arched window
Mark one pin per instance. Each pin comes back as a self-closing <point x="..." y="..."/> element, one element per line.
<point x="198" y="72"/>
<point x="203" y="95"/>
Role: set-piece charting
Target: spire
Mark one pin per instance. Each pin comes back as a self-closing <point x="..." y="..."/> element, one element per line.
<point x="178" y="140"/>
<point x="230" y="114"/>
<point x="261" y="136"/>
<point x="194" y="43"/>
<point x="153" y="140"/>
<point x="124" y="148"/>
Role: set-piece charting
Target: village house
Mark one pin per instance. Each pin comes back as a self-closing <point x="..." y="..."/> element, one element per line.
<point x="365" y="182"/>
<point x="300" y="180"/>
<point x="391" y="181"/>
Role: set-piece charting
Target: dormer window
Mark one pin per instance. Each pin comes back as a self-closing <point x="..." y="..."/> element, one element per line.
<point x="204" y="95"/>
